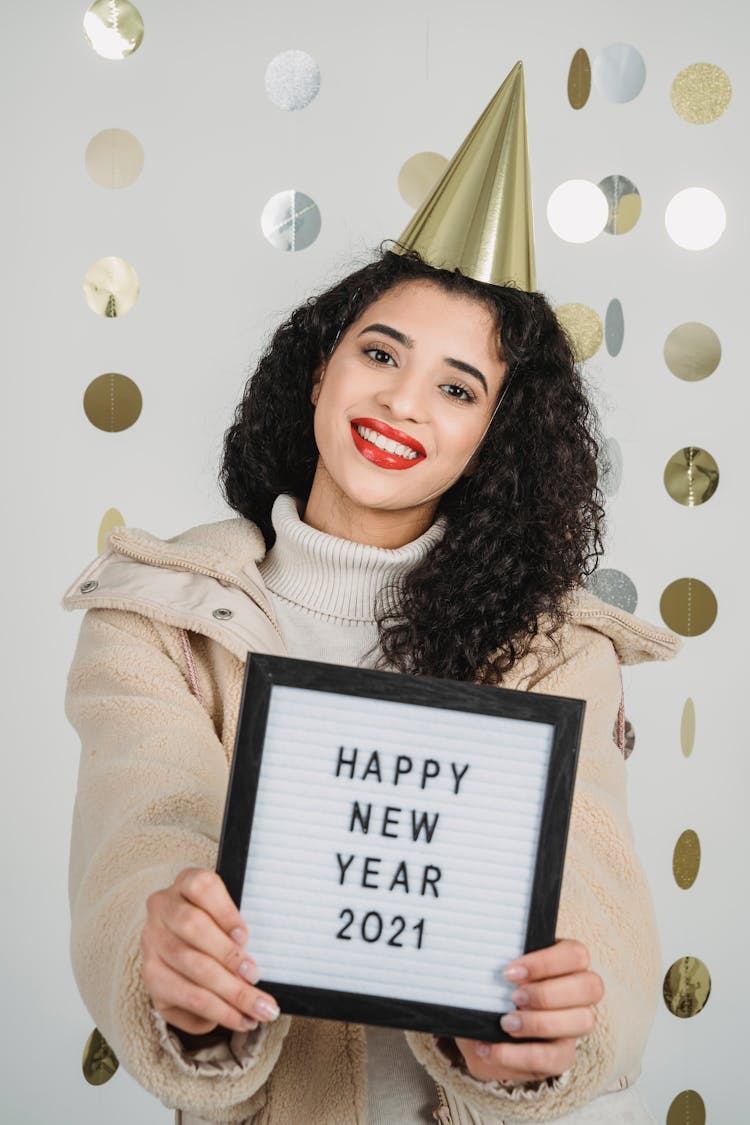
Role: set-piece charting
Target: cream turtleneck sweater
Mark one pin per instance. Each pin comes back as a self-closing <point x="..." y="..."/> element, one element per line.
<point x="324" y="592"/>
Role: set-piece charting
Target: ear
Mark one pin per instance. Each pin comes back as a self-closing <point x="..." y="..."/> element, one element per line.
<point x="317" y="383"/>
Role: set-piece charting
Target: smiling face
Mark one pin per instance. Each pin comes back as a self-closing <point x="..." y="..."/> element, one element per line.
<point x="400" y="408"/>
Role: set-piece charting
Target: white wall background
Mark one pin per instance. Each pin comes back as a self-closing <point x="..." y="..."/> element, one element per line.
<point x="396" y="79"/>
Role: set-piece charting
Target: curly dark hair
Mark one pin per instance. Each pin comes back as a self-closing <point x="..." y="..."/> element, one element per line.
<point x="521" y="531"/>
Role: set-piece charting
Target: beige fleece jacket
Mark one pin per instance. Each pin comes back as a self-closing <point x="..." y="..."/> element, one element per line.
<point x="154" y="692"/>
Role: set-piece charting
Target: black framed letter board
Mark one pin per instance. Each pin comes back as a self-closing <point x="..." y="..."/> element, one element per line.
<point x="394" y="841"/>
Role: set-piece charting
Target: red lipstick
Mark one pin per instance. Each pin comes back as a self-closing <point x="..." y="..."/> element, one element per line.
<point x="386" y="459"/>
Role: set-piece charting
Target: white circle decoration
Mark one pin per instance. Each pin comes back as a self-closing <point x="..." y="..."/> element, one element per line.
<point x="695" y="218"/>
<point x="577" y="211"/>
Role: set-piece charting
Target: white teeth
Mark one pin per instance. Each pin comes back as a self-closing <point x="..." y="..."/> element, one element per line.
<point x="386" y="444"/>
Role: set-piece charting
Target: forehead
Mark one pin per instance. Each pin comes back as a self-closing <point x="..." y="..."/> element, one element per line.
<point x="451" y="323"/>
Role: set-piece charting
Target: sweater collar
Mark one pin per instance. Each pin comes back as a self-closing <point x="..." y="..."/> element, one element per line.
<point x="332" y="576"/>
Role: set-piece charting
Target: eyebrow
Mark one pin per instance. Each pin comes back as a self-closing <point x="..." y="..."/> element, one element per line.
<point x="407" y="342"/>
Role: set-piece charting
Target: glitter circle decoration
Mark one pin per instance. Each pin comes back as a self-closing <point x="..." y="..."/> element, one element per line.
<point x="577" y="211"/>
<point x="688" y="606"/>
<point x="111" y="287"/>
<point x="614" y="327"/>
<point x="687" y="728"/>
<point x="686" y="859"/>
<point x="687" y="987"/>
<point x="99" y="1061"/>
<point x="701" y="93"/>
<point x="114" y="28"/>
<point x="112" y="402"/>
<point x="114" y="158"/>
<point x="695" y="218"/>
<point x="623" y="201"/>
<point x="583" y="327"/>
<point x="110" y="520"/>
<point x="688" y="1108"/>
<point x="691" y="476"/>
<point x="418" y="176"/>
<point x="579" y="79"/>
<point x="291" y="220"/>
<point x="619" y="72"/>
<point x="292" y="80"/>
<point x="692" y="351"/>
<point x="614" y="587"/>
<point x="610" y="466"/>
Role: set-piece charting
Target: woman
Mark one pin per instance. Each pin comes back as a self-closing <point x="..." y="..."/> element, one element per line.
<point x="414" y="467"/>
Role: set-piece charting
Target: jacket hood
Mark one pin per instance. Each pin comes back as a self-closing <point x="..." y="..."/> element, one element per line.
<point x="635" y="640"/>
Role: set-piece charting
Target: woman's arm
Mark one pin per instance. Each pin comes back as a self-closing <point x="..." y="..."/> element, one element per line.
<point x="151" y="789"/>
<point x="605" y="905"/>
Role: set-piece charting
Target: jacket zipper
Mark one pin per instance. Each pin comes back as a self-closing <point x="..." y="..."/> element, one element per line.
<point x="444" y="1116"/>
<point x="225" y="579"/>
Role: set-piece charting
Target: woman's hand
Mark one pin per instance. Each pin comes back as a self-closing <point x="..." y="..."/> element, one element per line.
<point x="195" y="967"/>
<point x="554" y="998"/>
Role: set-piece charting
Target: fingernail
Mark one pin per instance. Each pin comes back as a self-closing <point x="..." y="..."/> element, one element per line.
<point x="248" y="1025"/>
<point x="239" y="935"/>
<point x="510" y="1022"/>
<point x="482" y="1049"/>
<point x="249" y="971"/>
<point x="265" y="1009"/>
<point x="520" y="998"/>
<point x="516" y="972"/>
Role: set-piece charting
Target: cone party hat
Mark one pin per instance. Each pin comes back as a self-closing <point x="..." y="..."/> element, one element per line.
<point x="478" y="216"/>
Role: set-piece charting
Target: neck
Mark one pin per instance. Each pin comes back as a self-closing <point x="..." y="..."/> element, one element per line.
<point x="331" y="511"/>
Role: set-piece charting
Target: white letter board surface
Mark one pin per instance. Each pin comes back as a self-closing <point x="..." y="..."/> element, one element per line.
<point x="393" y="842"/>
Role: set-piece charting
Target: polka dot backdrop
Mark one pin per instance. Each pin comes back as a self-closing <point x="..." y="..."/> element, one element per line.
<point x="208" y="173"/>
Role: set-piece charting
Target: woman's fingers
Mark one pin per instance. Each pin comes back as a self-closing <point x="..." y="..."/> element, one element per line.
<point x="195" y="967"/>
<point x="200" y="970"/>
<point x="518" y="1062"/>
<point x="207" y="890"/>
<point x="563" y="1024"/>
<point x="570" y="991"/>
<point x="199" y="930"/>
<point x="564" y="957"/>
<point x="170" y="991"/>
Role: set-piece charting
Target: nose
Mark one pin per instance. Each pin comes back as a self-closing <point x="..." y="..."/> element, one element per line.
<point x="404" y="395"/>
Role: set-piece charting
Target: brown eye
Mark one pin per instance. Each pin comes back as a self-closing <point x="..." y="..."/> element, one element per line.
<point x="458" y="392"/>
<point x="380" y="356"/>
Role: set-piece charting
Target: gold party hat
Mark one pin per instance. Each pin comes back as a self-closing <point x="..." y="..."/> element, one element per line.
<point x="478" y="217"/>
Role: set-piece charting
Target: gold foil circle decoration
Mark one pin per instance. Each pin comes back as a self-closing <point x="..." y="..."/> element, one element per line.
<point x="623" y="201"/>
<point x="99" y="1060"/>
<point x="111" y="287"/>
<point x="579" y="79"/>
<point x="688" y="606"/>
<point x="688" y="1108"/>
<point x="687" y="728"/>
<point x="114" y="158"/>
<point x="686" y="859"/>
<point x="701" y="93"/>
<point x="110" y="520"/>
<point x="583" y="327"/>
<point x="687" y="987"/>
<point x="691" y="476"/>
<point x="112" y="402"/>
<point x="114" y="28"/>
<point x="418" y="176"/>
<point x="692" y="351"/>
